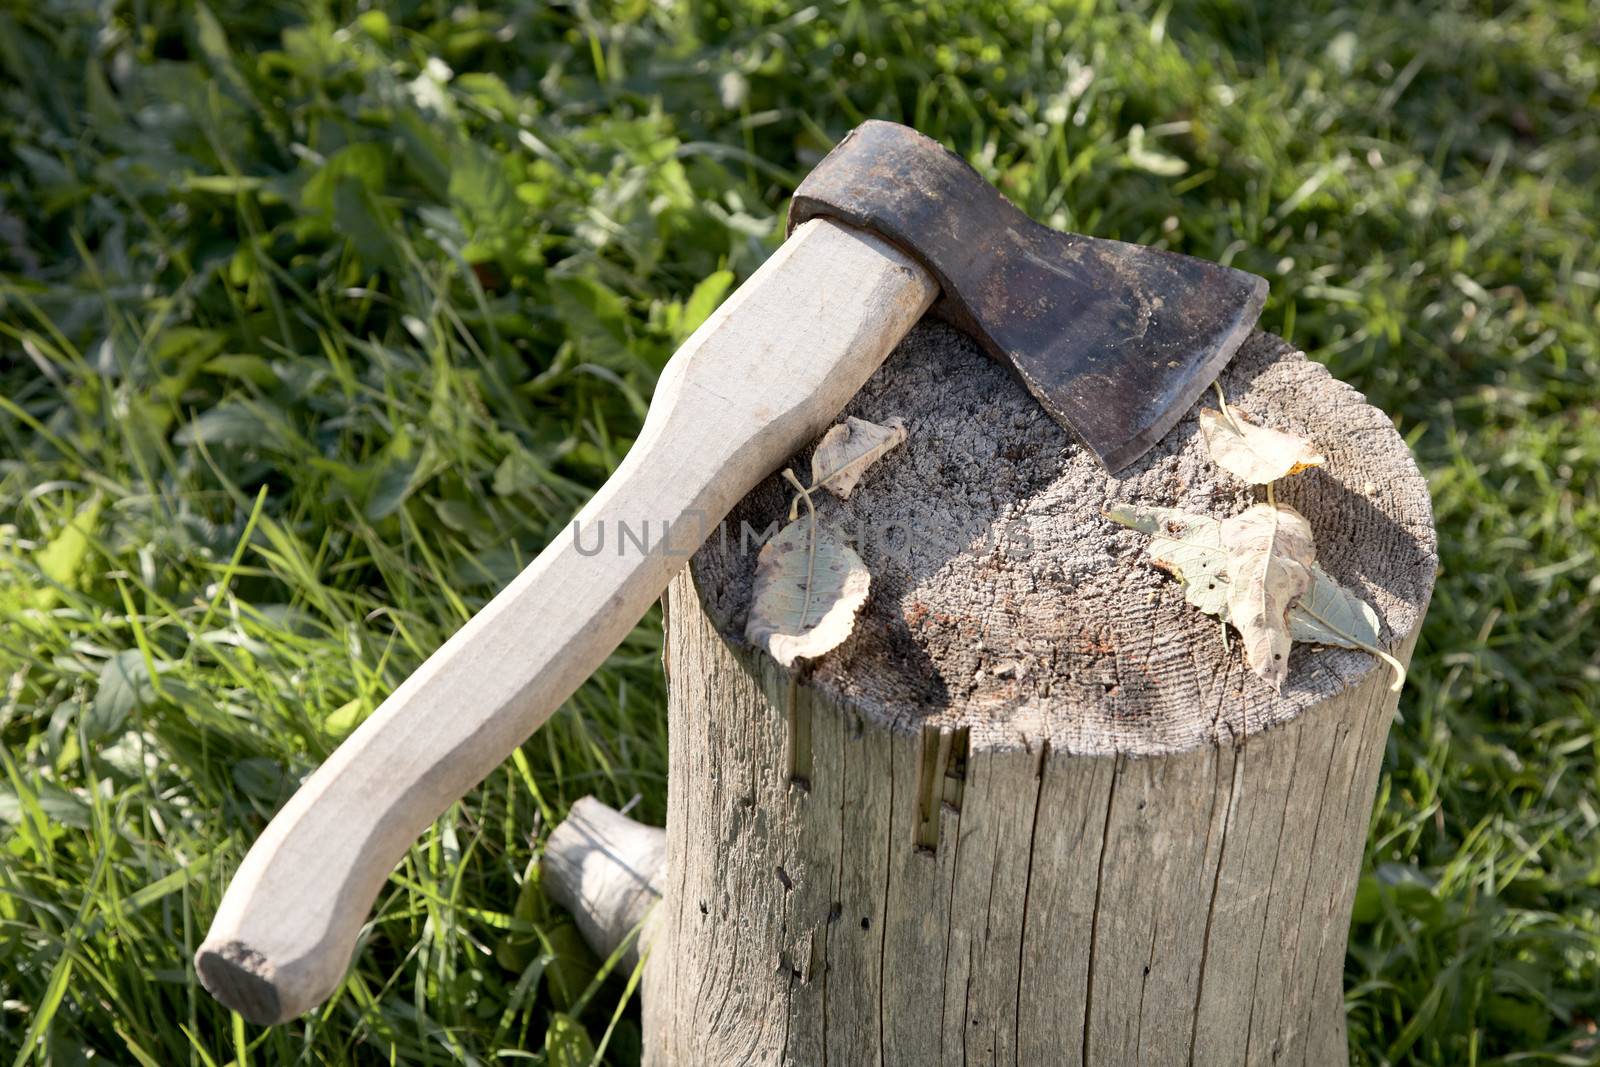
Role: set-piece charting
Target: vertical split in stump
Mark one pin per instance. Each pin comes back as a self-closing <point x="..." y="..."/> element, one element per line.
<point x="941" y="779"/>
<point x="1034" y="811"/>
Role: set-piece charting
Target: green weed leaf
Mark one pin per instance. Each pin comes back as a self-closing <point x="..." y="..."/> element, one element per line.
<point x="124" y="685"/>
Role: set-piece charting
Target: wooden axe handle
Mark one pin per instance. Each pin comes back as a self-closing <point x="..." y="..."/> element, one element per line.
<point x="762" y="377"/>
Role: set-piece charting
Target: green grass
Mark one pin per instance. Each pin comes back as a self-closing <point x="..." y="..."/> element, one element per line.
<point x="316" y="324"/>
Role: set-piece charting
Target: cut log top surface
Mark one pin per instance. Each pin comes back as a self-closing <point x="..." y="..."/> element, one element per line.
<point x="1004" y="603"/>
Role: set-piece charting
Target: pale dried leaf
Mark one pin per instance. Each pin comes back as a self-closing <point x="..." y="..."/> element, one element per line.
<point x="1270" y="552"/>
<point x="1187" y="546"/>
<point x="1254" y="453"/>
<point x="1330" y="614"/>
<point x="809" y="586"/>
<point x="846" y="451"/>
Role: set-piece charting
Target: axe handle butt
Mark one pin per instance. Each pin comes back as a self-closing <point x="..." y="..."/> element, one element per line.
<point x="755" y="383"/>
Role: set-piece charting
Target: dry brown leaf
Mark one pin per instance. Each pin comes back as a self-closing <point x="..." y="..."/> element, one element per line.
<point x="1270" y="553"/>
<point x="1188" y="547"/>
<point x="846" y="451"/>
<point x="1330" y="614"/>
<point x="808" y="589"/>
<point x="1254" y="453"/>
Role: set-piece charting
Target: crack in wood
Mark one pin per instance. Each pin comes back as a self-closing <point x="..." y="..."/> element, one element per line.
<point x="941" y="780"/>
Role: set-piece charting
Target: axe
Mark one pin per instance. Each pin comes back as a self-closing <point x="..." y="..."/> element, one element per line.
<point x="1115" y="340"/>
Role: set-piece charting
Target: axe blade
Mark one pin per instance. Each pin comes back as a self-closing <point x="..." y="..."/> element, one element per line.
<point x="1114" y="340"/>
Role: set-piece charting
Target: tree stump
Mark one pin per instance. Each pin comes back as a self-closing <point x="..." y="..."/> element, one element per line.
<point x="1036" y="810"/>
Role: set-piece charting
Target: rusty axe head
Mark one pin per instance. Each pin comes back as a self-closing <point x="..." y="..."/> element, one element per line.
<point x="1115" y="340"/>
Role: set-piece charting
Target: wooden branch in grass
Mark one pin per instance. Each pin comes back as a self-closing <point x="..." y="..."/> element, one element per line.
<point x="607" y="870"/>
<point x="761" y="378"/>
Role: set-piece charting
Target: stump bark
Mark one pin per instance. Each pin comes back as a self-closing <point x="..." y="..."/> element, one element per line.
<point x="1035" y="810"/>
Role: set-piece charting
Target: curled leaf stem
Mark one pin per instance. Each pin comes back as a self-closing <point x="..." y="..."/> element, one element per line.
<point x="811" y="546"/>
<point x="1227" y="412"/>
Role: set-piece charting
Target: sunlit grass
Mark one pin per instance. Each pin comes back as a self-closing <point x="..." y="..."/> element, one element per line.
<point x="316" y="324"/>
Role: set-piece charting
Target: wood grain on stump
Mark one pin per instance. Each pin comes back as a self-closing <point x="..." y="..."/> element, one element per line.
<point x="1036" y="810"/>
